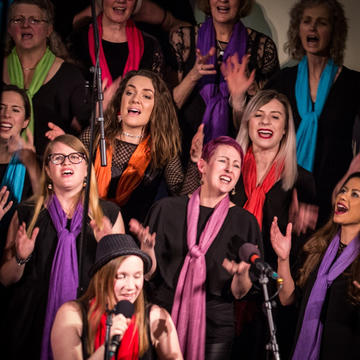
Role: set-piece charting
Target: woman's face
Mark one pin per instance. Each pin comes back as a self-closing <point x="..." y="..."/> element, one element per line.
<point x="129" y="279"/>
<point x="221" y="173"/>
<point x="12" y="115"/>
<point x="28" y="27"/>
<point x="267" y="126"/>
<point x="67" y="176"/>
<point x="137" y="103"/>
<point x="347" y="204"/>
<point x="224" y="11"/>
<point x="118" y="11"/>
<point x="315" y="30"/>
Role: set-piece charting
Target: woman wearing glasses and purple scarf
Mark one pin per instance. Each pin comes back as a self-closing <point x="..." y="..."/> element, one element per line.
<point x="40" y="262"/>
<point x="202" y="93"/>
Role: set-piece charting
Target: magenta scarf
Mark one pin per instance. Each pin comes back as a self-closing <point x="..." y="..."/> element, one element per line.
<point x="309" y="341"/>
<point x="213" y="88"/>
<point x="189" y="311"/>
<point x="135" y="44"/>
<point x="64" y="277"/>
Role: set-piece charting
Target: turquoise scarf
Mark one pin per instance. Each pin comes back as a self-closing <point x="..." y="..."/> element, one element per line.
<point x="307" y="132"/>
<point x="14" y="178"/>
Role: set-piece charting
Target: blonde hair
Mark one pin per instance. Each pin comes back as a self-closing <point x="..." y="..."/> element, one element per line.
<point x="45" y="193"/>
<point x="287" y="150"/>
<point x="100" y="294"/>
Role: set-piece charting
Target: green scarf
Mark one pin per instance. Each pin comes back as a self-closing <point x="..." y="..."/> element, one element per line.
<point x="41" y="71"/>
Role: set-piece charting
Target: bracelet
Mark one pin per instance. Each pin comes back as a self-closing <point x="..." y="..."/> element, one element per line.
<point x="20" y="261"/>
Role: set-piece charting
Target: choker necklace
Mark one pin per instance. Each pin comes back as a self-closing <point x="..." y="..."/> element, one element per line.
<point x="131" y="135"/>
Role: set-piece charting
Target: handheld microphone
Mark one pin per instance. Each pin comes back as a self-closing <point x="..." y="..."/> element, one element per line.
<point x="250" y="253"/>
<point x="126" y="308"/>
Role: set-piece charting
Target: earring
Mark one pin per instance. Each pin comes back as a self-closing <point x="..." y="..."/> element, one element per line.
<point x="233" y="191"/>
<point x="85" y="182"/>
<point x="201" y="182"/>
<point x="49" y="186"/>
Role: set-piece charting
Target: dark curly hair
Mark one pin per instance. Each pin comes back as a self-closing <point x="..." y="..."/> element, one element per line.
<point x="244" y="8"/>
<point x="339" y="29"/>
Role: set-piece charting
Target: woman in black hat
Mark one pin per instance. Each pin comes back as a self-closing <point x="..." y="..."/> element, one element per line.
<point x="118" y="274"/>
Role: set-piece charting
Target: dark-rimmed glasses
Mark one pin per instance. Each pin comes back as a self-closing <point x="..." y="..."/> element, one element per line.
<point x="20" y="20"/>
<point x="74" y="158"/>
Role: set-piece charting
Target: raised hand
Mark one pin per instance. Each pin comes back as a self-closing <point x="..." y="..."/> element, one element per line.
<point x="54" y="131"/>
<point x="303" y="216"/>
<point x="197" y="144"/>
<point x="147" y="240"/>
<point x="4" y="207"/>
<point x="235" y="74"/>
<point x="23" y="244"/>
<point x="280" y="243"/>
<point x="105" y="229"/>
<point x="201" y="66"/>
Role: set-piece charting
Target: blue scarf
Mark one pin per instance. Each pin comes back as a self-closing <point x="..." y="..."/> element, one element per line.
<point x="214" y="94"/>
<point x="14" y="178"/>
<point x="309" y="341"/>
<point x="307" y="132"/>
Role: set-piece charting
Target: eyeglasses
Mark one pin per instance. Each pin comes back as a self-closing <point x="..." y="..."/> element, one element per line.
<point x="74" y="158"/>
<point x="20" y="20"/>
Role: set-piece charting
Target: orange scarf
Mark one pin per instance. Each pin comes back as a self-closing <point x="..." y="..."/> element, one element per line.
<point x="256" y="194"/>
<point x="131" y="176"/>
<point x="129" y="347"/>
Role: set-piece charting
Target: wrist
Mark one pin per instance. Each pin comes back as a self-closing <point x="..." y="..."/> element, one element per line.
<point x="22" y="261"/>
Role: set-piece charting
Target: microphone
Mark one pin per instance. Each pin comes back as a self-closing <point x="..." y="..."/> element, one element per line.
<point x="126" y="308"/>
<point x="250" y="253"/>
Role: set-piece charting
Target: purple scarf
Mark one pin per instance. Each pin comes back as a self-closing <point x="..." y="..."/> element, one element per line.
<point x="309" y="341"/>
<point x="214" y="94"/>
<point x="189" y="312"/>
<point x="64" y="272"/>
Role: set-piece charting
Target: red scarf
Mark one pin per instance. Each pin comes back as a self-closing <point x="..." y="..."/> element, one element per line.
<point x="256" y="194"/>
<point x="131" y="176"/>
<point x="135" y="44"/>
<point x="129" y="347"/>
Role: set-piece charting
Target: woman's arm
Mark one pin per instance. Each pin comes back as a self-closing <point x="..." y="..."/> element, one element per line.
<point x="163" y="335"/>
<point x="19" y="246"/>
<point x="282" y="246"/>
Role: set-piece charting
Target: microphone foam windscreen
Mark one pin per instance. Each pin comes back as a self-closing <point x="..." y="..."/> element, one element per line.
<point x="124" y="307"/>
<point x="246" y="250"/>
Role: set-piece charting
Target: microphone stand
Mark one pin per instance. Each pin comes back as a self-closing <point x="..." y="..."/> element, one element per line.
<point x="107" y="335"/>
<point x="96" y="98"/>
<point x="272" y="345"/>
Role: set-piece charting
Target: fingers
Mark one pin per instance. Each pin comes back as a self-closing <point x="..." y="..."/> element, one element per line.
<point x="357" y="284"/>
<point x="134" y="226"/>
<point x="289" y="230"/>
<point x="119" y="325"/>
<point x="235" y="268"/>
<point x="34" y="234"/>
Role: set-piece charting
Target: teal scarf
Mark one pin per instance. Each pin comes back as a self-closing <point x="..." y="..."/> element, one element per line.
<point x="14" y="178"/>
<point x="307" y="132"/>
<point x="41" y="71"/>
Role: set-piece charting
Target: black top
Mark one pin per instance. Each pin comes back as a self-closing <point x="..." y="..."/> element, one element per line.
<point x="23" y="317"/>
<point x="277" y="203"/>
<point x="58" y="101"/>
<point x="335" y="127"/>
<point x="115" y="53"/>
<point x="340" y="318"/>
<point x="167" y="218"/>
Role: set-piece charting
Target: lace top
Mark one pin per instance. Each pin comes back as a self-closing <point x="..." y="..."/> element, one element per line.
<point x="178" y="183"/>
<point x="262" y="49"/>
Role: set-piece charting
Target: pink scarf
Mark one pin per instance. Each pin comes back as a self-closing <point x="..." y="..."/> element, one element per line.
<point x="135" y="43"/>
<point x="189" y="311"/>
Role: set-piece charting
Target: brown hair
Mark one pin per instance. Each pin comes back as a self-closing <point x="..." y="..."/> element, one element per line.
<point x="244" y="8"/>
<point x="100" y="294"/>
<point x="43" y="197"/>
<point x="163" y="125"/>
<point x="22" y="93"/>
<point x="54" y="41"/>
<point x="315" y="248"/>
<point x="339" y="29"/>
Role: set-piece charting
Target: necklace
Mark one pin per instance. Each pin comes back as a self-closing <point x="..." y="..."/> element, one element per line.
<point x="131" y="135"/>
<point x="221" y="49"/>
<point x="28" y="68"/>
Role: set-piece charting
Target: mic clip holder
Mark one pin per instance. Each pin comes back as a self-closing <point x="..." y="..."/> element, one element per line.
<point x="272" y="345"/>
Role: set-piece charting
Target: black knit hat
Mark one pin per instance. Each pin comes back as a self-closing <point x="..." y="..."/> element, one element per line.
<point x="115" y="245"/>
